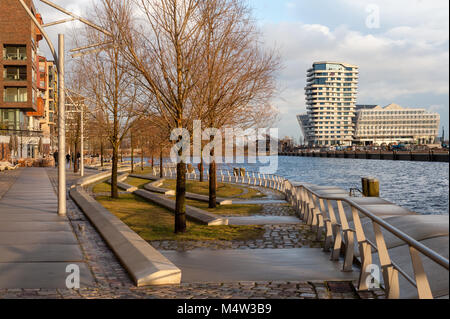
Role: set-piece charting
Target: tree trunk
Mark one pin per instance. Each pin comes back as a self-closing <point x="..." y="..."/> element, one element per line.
<point x="180" y="205"/>
<point x="132" y="153"/>
<point x="101" y="153"/>
<point x="201" y="168"/>
<point x="161" y="164"/>
<point x="212" y="180"/>
<point x="115" y="163"/>
<point x="152" y="162"/>
<point x="142" y="157"/>
<point x="212" y="185"/>
<point x="75" y="158"/>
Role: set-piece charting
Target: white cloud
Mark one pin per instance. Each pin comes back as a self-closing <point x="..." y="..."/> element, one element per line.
<point x="405" y="61"/>
<point x="394" y="65"/>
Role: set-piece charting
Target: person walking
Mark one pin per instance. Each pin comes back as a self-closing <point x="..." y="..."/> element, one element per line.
<point x="55" y="156"/>
<point x="68" y="160"/>
<point x="78" y="159"/>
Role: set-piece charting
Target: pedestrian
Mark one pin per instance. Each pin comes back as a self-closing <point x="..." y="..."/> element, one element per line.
<point x="55" y="156"/>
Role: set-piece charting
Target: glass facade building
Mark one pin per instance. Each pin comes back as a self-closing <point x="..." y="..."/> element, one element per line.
<point x="331" y="93"/>
<point x="395" y="124"/>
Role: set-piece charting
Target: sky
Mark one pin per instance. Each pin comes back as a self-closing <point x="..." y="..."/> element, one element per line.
<point x="401" y="48"/>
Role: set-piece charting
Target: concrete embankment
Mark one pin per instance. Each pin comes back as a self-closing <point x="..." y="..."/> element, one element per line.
<point x="389" y="156"/>
<point x="145" y="264"/>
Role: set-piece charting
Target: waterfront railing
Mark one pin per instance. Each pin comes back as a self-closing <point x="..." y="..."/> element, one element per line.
<point x="342" y="232"/>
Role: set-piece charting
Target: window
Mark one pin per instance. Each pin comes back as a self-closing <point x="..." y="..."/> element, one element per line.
<point x="12" y="94"/>
<point x="12" y="119"/>
<point x="15" y="73"/>
<point x="14" y="52"/>
<point x="321" y="67"/>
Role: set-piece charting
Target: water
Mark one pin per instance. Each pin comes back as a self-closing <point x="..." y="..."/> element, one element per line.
<point x="422" y="187"/>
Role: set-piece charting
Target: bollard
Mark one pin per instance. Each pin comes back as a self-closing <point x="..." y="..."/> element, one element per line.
<point x="371" y="187"/>
<point x="365" y="186"/>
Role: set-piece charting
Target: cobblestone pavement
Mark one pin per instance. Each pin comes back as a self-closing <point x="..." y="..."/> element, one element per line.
<point x="112" y="281"/>
<point x="7" y="178"/>
<point x="275" y="237"/>
<point x="278" y="210"/>
<point x="238" y="290"/>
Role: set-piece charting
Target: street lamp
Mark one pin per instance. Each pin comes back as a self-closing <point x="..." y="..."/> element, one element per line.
<point x="81" y="111"/>
<point x="59" y="59"/>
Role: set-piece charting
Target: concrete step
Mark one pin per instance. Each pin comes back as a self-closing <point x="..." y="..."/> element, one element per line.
<point x="300" y="264"/>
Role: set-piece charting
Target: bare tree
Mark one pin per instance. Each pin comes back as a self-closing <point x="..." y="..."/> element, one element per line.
<point x="109" y="82"/>
<point x="238" y="76"/>
<point x="163" y="47"/>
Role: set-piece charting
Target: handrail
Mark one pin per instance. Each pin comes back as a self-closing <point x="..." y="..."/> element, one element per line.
<point x="398" y="233"/>
<point x="310" y="205"/>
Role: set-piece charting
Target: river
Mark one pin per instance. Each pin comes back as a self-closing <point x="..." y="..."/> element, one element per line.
<point x="422" y="187"/>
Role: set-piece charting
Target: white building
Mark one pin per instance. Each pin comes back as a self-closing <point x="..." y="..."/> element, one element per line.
<point x="395" y="124"/>
<point x="330" y="98"/>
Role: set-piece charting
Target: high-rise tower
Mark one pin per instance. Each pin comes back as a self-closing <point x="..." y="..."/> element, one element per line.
<point x="331" y="93"/>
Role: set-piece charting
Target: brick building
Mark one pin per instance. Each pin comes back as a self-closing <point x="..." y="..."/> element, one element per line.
<point x="23" y="83"/>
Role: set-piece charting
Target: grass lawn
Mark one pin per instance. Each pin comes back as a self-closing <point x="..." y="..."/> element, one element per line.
<point x="106" y="188"/>
<point x="101" y="188"/>
<point x="137" y="182"/>
<point x="146" y="171"/>
<point x="153" y="222"/>
<point x="223" y="189"/>
<point x="228" y="210"/>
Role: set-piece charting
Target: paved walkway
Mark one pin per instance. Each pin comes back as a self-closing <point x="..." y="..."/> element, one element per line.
<point x="7" y="178"/>
<point x="110" y="280"/>
<point x="302" y="264"/>
<point x="36" y="245"/>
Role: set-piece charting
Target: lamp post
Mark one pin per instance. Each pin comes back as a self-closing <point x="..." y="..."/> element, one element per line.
<point x="59" y="59"/>
<point x="81" y="111"/>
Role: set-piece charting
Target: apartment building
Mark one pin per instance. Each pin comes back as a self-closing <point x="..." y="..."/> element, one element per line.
<point x="22" y="81"/>
<point x="395" y="124"/>
<point x="331" y="93"/>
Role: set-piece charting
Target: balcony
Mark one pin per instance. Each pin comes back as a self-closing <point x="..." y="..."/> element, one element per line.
<point x="15" y="73"/>
<point x="15" y="95"/>
<point x="18" y="53"/>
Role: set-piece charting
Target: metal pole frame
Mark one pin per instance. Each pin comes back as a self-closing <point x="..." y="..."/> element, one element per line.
<point x="81" y="111"/>
<point x="61" y="130"/>
<point x="59" y="60"/>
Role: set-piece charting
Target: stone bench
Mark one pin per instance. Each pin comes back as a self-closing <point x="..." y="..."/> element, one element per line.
<point x="120" y="183"/>
<point x="144" y="263"/>
<point x="85" y="181"/>
<point x="154" y="187"/>
<point x="147" y="177"/>
<point x="193" y="213"/>
<point x="204" y="198"/>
